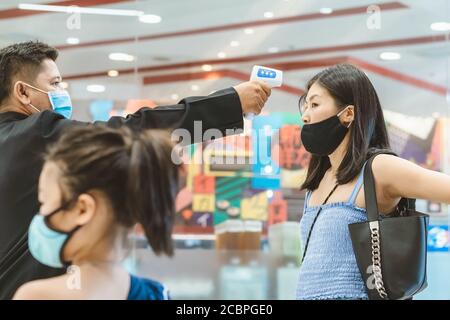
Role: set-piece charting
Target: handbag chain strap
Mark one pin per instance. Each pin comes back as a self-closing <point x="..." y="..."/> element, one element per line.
<point x="376" y="258"/>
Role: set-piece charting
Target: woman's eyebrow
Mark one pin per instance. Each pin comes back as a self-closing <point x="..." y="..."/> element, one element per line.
<point x="313" y="96"/>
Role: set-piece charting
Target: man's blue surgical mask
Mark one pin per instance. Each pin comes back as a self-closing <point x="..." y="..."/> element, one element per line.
<point x="59" y="100"/>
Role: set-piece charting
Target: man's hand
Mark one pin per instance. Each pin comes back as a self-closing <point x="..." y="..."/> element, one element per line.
<point x="253" y="95"/>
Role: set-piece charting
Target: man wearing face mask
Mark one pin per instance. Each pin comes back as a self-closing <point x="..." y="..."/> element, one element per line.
<point x="35" y="110"/>
<point x="59" y="99"/>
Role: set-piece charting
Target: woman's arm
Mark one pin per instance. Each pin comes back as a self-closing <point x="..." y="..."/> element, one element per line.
<point x="401" y="178"/>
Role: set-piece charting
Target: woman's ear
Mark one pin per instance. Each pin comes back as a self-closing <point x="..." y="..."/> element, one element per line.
<point x="348" y="116"/>
<point x="85" y="209"/>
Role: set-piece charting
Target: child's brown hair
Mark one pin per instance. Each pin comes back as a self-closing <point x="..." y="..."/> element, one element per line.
<point x="134" y="170"/>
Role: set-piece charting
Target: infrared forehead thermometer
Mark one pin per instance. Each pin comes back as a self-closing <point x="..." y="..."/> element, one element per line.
<point x="273" y="77"/>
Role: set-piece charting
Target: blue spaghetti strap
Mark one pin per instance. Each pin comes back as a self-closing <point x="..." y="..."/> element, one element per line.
<point x="307" y="196"/>
<point x="358" y="185"/>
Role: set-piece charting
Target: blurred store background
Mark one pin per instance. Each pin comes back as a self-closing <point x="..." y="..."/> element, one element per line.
<point x="237" y="230"/>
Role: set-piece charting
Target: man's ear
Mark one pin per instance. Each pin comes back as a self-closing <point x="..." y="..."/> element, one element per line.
<point x="85" y="209"/>
<point x="21" y="92"/>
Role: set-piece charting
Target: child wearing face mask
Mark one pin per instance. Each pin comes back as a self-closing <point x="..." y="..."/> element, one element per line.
<point x="96" y="184"/>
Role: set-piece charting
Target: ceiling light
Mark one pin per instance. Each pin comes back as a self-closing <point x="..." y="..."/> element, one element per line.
<point x="326" y="10"/>
<point x="440" y="26"/>
<point x="390" y="56"/>
<point x="72" y="40"/>
<point x="273" y="50"/>
<point x="234" y="43"/>
<point x="95" y="88"/>
<point x="206" y="67"/>
<point x="195" y="87"/>
<point x="268" y="14"/>
<point x="118" y="56"/>
<point x="222" y="55"/>
<point x="174" y="96"/>
<point x="249" y="31"/>
<point x="113" y="73"/>
<point x="76" y="9"/>
<point x="150" y="18"/>
<point x="436" y="114"/>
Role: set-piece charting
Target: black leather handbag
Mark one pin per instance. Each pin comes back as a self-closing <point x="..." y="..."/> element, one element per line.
<point x="391" y="251"/>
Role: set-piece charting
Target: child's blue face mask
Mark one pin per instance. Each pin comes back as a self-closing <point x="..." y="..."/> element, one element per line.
<point x="59" y="100"/>
<point x="47" y="244"/>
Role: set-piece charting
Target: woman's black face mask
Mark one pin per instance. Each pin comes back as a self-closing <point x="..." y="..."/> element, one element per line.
<point x="323" y="137"/>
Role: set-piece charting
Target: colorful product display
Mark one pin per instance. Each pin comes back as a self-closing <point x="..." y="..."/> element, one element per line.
<point x="249" y="177"/>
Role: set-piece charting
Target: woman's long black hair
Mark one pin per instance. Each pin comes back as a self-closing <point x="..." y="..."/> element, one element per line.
<point x="350" y="86"/>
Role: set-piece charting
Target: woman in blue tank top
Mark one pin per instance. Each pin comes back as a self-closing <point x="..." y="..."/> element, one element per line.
<point x="343" y="126"/>
<point x="98" y="183"/>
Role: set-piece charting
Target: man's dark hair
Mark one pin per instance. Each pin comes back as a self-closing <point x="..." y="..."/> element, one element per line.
<point x="22" y="58"/>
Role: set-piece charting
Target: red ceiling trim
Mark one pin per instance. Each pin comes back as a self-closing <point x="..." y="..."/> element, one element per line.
<point x="268" y="56"/>
<point x="440" y="90"/>
<point x="221" y="28"/>
<point x="19" y="13"/>
<point x="212" y="75"/>
<point x="299" y="65"/>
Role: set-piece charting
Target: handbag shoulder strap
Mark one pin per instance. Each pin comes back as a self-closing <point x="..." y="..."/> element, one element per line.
<point x="370" y="194"/>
